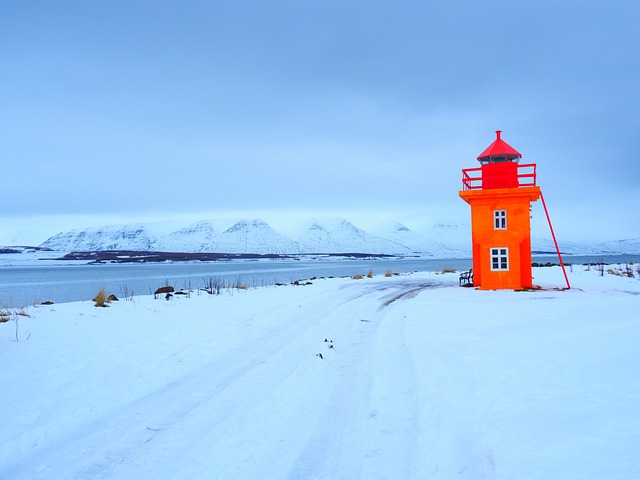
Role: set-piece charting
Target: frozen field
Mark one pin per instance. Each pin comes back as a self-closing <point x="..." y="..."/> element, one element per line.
<point x="418" y="379"/>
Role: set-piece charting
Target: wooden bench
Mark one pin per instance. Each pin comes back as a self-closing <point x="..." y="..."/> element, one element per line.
<point x="466" y="278"/>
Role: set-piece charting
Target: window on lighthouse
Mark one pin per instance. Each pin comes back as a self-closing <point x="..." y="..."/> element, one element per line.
<point x="499" y="219"/>
<point x="500" y="258"/>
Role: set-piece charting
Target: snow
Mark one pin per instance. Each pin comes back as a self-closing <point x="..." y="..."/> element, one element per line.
<point x="255" y="236"/>
<point x="340" y="236"/>
<point x="322" y="236"/>
<point x="424" y="380"/>
<point x="199" y="237"/>
<point x="111" y="237"/>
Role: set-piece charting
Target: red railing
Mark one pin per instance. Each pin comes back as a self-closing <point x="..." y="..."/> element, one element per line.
<point x="526" y="177"/>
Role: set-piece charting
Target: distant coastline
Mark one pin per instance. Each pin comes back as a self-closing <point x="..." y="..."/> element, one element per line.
<point x="137" y="256"/>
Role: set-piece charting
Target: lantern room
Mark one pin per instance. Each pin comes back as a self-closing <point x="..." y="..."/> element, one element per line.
<point x="500" y="193"/>
<point x="499" y="164"/>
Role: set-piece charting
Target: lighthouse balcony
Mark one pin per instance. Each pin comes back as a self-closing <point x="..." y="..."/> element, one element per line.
<point x="499" y="175"/>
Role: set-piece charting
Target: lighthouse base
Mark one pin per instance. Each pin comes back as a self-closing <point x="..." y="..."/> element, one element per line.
<point x="501" y="236"/>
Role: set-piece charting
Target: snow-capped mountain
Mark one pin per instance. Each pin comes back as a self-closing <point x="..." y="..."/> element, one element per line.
<point x="417" y="242"/>
<point x="255" y="236"/>
<point x="629" y="245"/>
<point x="456" y="236"/>
<point x="199" y="237"/>
<point x="113" y="237"/>
<point x="546" y="246"/>
<point x="341" y="236"/>
<point x="336" y="236"/>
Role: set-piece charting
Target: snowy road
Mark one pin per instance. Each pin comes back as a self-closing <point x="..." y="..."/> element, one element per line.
<point x="267" y="404"/>
<point x="233" y="386"/>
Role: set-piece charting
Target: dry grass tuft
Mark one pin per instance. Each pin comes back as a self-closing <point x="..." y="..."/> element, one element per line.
<point x="358" y="277"/>
<point x="101" y="298"/>
<point x="7" y="314"/>
<point x="624" y="270"/>
<point x="370" y="274"/>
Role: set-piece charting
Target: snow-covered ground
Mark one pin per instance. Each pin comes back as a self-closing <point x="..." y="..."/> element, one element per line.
<point x="419" y="378"/>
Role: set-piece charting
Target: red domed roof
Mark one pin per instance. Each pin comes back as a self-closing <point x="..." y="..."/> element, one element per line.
<point x="499" y="150"/>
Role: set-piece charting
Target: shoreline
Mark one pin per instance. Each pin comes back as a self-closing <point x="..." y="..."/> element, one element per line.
<point x="29" y="283"/>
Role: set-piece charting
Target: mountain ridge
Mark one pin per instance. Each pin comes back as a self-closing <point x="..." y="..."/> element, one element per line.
<point x="255" y="236"/>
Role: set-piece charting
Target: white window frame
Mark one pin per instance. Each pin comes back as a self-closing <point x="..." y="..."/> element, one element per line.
<point x="499" y="258"/>
<point x="499" y="219"/>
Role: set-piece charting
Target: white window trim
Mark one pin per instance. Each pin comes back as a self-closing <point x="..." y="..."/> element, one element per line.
<point x="499" y="219"/>
<point x="501" y="254"/>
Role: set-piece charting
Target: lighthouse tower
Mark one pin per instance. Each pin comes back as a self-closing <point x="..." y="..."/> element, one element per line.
<point x="500" y="193"/>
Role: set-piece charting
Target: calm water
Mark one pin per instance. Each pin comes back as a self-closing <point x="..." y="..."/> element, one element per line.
<point x="26" y="285"/>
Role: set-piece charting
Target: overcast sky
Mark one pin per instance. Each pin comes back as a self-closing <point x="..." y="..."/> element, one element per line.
<point x="123" y="111"/>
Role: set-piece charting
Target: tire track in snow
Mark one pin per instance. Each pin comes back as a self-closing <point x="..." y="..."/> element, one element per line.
<point x="188" y="427"/>
<point x="368" y="429"/>
<point x="215" y="397"/>
<point x="451" y="439"/>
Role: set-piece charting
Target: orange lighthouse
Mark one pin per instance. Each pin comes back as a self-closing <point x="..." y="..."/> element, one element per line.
<point x="500" y="193"/>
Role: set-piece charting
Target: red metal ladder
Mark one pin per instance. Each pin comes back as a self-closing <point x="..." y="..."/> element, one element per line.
<point x="553" y="235"/>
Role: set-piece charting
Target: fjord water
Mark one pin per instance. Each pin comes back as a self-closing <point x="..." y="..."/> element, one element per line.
<point x="27" y="285"/>
<point x="21" y="286"/>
